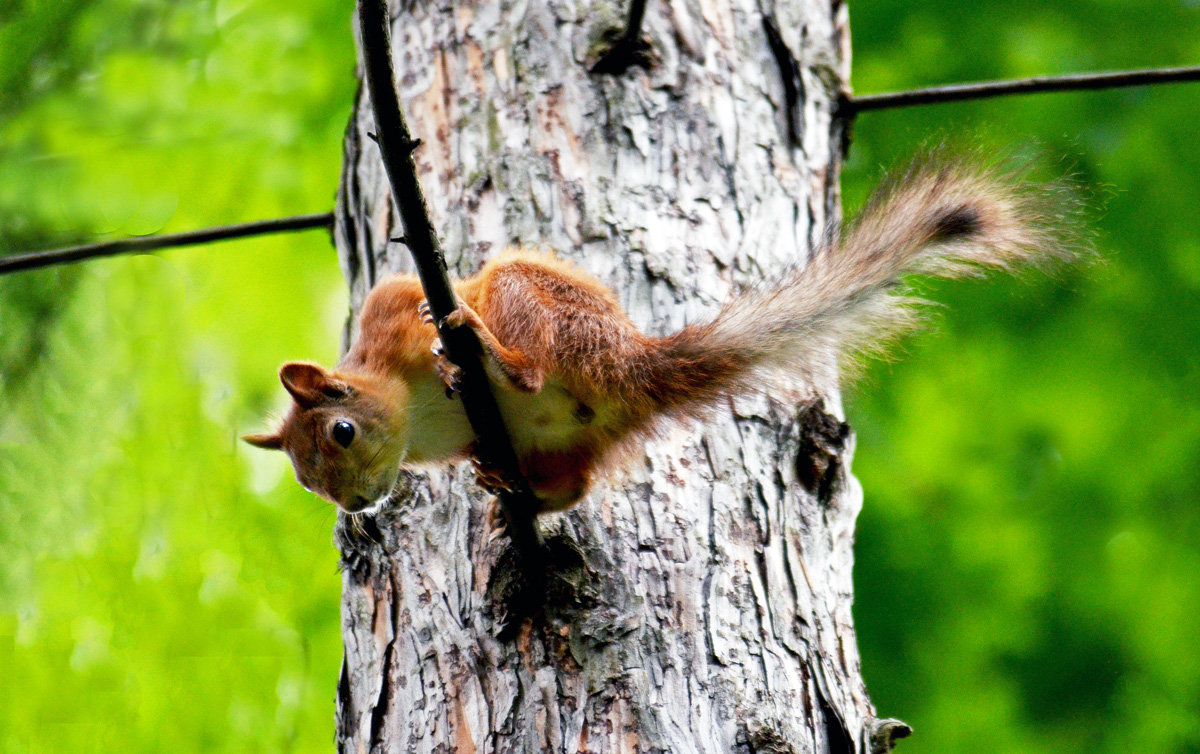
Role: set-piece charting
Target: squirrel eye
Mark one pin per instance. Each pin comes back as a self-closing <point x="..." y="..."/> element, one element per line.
<point x="343" y="433"/>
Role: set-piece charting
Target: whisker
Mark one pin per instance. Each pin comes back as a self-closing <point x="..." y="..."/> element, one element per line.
<point x="357" y="519"/>
<point x="371" y="462"/>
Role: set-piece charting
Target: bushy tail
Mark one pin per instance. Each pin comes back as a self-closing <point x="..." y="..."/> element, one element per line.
<point x="941" y="219"/>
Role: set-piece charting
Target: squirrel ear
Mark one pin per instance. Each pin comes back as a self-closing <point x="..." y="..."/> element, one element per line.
<point x="269" y="441"/>
<point x="308" y="383"/>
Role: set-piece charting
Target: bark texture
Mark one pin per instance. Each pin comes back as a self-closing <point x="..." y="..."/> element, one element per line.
<point x="701" y="601"/>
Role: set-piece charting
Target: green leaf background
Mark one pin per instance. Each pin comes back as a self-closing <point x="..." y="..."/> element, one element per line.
<point x="1029" y="552"/>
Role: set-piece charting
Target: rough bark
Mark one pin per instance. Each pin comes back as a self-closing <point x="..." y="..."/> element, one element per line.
<point x="701" y="601"/>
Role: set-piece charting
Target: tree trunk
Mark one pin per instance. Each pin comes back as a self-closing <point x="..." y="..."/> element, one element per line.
<point x="701" y="600"/>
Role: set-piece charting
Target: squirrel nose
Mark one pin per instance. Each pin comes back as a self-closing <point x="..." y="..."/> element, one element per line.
<point x="355" y="504"/>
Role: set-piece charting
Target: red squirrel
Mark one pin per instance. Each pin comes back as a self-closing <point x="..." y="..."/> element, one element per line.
<point x="576" y="381"/>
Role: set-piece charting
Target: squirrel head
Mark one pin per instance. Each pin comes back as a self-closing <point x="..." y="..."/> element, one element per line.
<point x="345" y="434"/>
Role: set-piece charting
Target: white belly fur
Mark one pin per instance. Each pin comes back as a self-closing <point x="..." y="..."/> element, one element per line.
<point x="547" y="420"/>
<point x="437" y="425"/>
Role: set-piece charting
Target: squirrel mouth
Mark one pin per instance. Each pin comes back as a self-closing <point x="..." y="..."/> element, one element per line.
<point x="356" y="504"/>
<point x="360" y="504"/>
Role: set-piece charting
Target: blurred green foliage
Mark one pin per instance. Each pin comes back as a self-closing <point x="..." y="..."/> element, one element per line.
<point x="1029" y="550"/>
<point x="1028" y="557"/>
<point x="160" y="589"/>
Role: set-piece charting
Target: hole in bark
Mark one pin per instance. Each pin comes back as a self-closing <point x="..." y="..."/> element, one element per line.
<point x="345" y="711"/>
<point x="579" y="591"/>
<point x="566" y="590"/>
<point x="379" y="711"/>
<point x="818" y="459"/>
<point x="567" y="577"/>
<point x="836" y="733"/>
<point x="789" y="73"/>
<point x="512" y="597"/>
<point x="616" y="53"/>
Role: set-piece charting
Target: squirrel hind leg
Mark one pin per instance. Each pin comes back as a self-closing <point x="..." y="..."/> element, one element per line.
<point x="559" y="478"/>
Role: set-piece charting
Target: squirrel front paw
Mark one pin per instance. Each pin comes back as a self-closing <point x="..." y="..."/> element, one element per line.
<point x="462" y="316"/>
<point x="450" y="373"/>
<point x="503" y="365"/>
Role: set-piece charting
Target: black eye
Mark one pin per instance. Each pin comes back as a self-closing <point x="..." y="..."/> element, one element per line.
<point x="343" y="433"/>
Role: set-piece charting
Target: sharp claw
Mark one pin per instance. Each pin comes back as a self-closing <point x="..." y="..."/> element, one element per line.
<point x="451" y="375"/>
<point x="493" y="483"/>
<point x="489" y="483"/>
<point x="495" y="521"/>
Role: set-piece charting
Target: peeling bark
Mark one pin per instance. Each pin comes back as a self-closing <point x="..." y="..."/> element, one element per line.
<point x="700" y="602"/>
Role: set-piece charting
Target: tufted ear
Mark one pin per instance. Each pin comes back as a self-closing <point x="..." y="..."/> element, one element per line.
<point x="309" y="383"/>
<point x="269" y="441"/>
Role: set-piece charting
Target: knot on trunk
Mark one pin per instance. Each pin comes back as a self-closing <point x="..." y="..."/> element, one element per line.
<point x="883" y="734"/>
<point x="580" y="589"/>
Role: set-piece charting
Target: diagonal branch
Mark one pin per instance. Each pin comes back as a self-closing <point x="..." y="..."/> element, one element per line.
<point x="852" y="105"/>
<point x="461" y="345"/>
<point x="34" y="259"/>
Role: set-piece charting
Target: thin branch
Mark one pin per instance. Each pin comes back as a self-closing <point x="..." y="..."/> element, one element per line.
<point x="460" y="345"/>
<point x="629" y="49"/>
<point x="34" y="259"/>
<point x="986" y="89"/>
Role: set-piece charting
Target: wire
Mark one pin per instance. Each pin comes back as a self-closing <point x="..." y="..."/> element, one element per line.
<point x="35" y="259"/>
